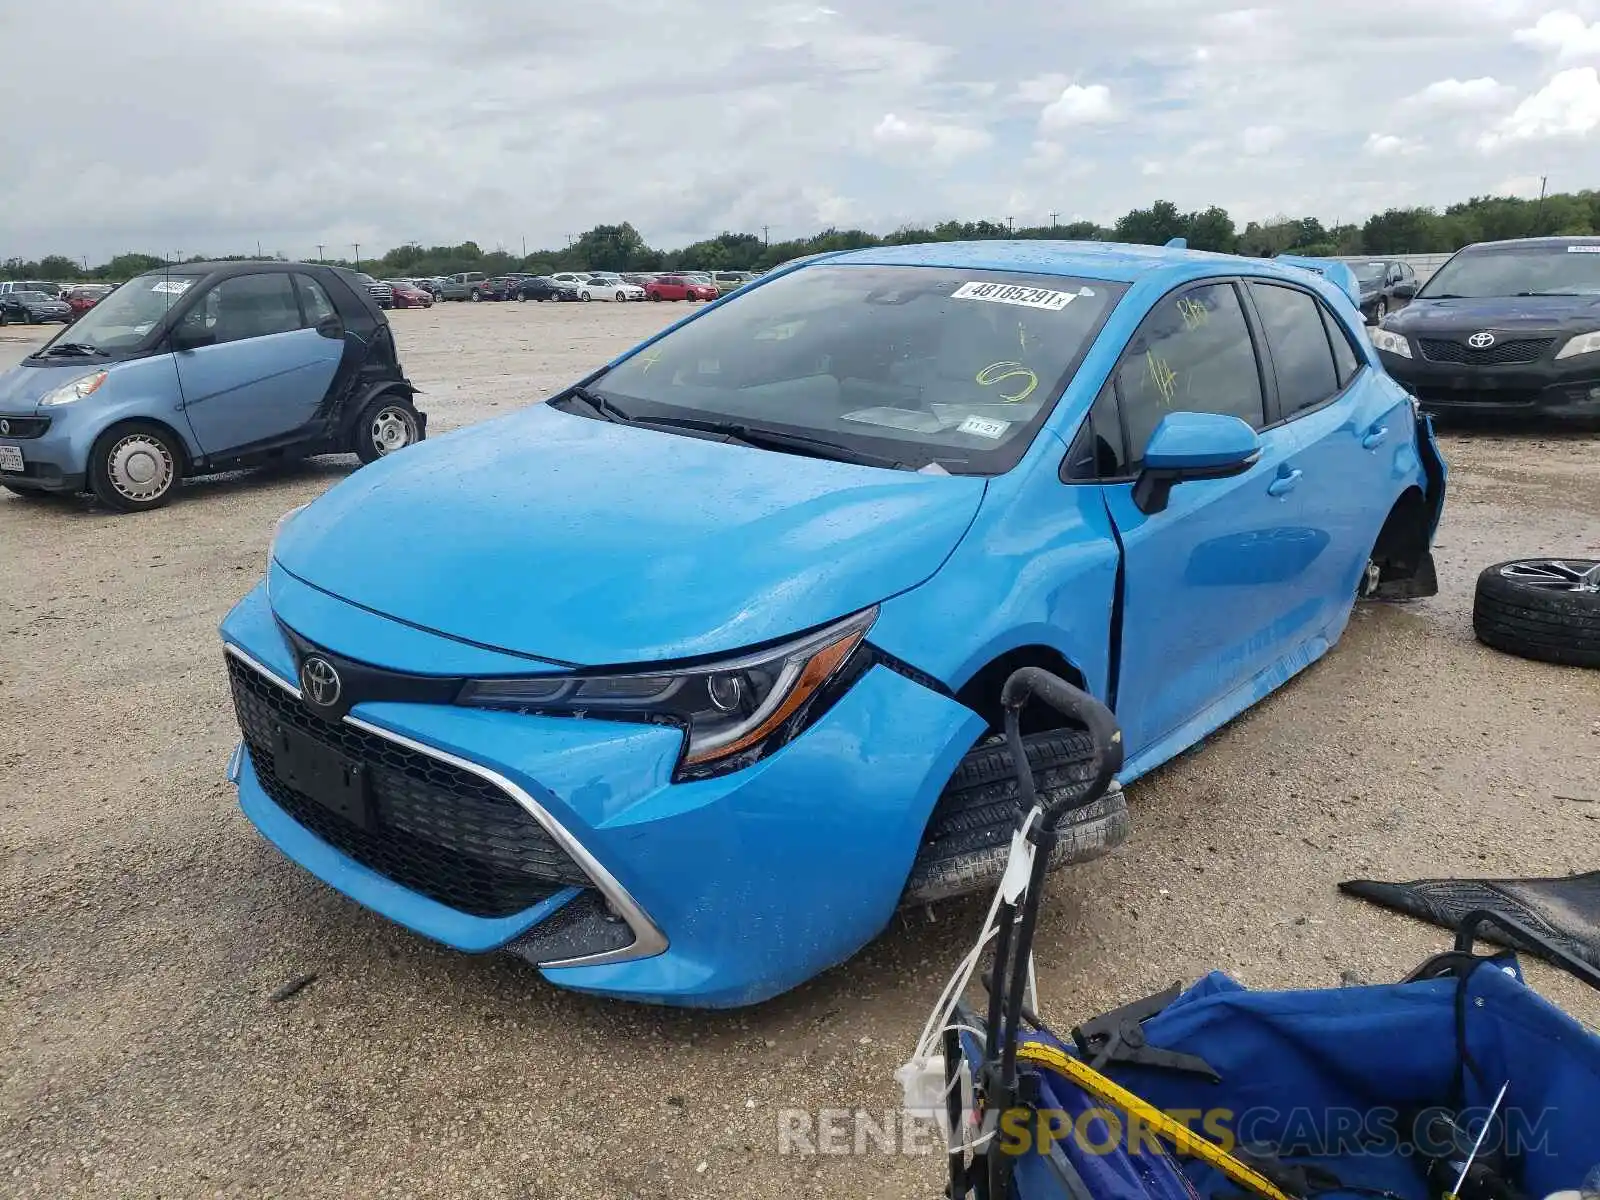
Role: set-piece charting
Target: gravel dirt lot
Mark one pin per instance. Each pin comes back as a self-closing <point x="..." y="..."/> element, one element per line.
<point x="144" y="925"/>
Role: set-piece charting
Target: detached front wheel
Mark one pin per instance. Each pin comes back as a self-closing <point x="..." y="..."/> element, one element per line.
<point x="135" y="467"/>
<point x="388" y="424"/>
<point x="1541" y="608"/>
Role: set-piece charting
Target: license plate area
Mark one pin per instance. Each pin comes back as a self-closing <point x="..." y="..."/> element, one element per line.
<point x="323" y="775"/>
<point x="11" y="458"/>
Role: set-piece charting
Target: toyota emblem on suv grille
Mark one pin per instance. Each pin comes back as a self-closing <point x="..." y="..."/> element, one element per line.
<point x="319" y="682"/>
<point x="1481" y="340"/>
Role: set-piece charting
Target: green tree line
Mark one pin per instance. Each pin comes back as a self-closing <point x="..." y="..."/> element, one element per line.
<point x="623" y="248"/>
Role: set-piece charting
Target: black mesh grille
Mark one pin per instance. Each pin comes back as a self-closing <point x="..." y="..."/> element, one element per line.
<point x="1512" y="350"/>
<point x="436" y="828"/>
<point x="23" y="427"/>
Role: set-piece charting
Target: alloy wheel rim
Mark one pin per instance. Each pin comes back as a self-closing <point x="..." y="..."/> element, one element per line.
<point x="1555" y="574"/>
<point x="140" y="467"/>
<point x="391" y="430"/>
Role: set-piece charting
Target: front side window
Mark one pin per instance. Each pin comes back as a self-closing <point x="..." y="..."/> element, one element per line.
<point x="1192" y="354"/>
<point x="1302" y="359"/>
<point x="244" y="307"/>
<point x="918" y="365"/>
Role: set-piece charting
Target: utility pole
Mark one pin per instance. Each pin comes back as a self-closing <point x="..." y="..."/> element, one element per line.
<point x="1538" y="216"/>
<point x="765" y="241"/>
<point x="357" y="245"/>
<point x="319" y="251"/>
<point x="524" y="245"/>
<point x="1053" y="217"/>
<point x="258" y="247"/>
<point x="569" y="241"/>
<point x="1010" y="222"/>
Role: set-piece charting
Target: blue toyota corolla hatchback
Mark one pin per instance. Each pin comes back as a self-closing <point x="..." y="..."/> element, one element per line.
<point x="687" y="678"/>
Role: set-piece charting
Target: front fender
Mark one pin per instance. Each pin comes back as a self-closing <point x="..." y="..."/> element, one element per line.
<point x="144" y="389"/>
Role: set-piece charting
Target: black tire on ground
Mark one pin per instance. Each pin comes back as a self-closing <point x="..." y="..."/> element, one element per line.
<point x="1545" y="609"/>
<point x="397" y="419"/>
<point x="968" y="837"/>
<point x="135" y="467"/>
<point x="3" y="317"/>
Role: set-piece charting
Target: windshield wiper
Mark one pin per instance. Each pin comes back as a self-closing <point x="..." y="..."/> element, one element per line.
<point x="601" y="407"/>
<point x="68" y="348"/>
<point x="1550" y="293"/>
<point x="773" y="439"/>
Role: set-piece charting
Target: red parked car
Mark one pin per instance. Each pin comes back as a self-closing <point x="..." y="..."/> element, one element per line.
<point x="409" y="295"/>
<point x="85" y="296"/>
<point x="676" y="287"/>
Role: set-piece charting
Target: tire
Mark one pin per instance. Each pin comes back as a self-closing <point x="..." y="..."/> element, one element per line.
<point x="1543" y="609"/>
<point x="475" y="295"/>
<point x="135" y="467"/>
<point x="622" y="297"/>
<point x="655" y="296"/>
<point x="522" y="297"/>
<point x="968" y="836"/>
<point x="387" y="425"/>
<point x="3" y="318"/>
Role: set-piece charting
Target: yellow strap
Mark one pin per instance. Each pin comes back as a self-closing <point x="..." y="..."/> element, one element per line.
<point x="1180" y="1135"/>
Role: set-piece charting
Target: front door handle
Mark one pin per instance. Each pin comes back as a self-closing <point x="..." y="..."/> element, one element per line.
<point x="1284" y="484"/>
<point x="1375" y="438"/>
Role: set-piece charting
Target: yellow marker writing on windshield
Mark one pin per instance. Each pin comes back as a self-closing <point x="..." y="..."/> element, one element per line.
<point x="999" y="372"/>
<point x="649" y="358"/>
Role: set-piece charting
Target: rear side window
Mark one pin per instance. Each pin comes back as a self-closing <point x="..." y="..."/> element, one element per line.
<point x="314" y="300"/>
<point x="1192" y="354"/>
<point x="1345" y="359"/>
<point x="1301" y="356"/>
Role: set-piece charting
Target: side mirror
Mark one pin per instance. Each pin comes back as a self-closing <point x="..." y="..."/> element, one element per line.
<point x="1190" y="445"/>
<point x="191" y="339"/>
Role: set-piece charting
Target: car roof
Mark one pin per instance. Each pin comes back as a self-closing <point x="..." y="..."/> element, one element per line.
<point x="1574" y="240"/>
<point x="1113" y="262"/>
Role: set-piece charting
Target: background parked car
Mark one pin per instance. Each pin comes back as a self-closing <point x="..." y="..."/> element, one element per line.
<point x="382" y="294"/>
<point x="1385" y="286"/>
<point x="605" y="286"/>
<point x="730" y="281"/>
<point x="409" y="295"/>
<point x="541" y="288"/>
<point x="85" y="296"/>
<point x="638" y="279"/>
<point x="33" y="308"/>
<point x="679" y="287"/>
<point x="30" y="285"/>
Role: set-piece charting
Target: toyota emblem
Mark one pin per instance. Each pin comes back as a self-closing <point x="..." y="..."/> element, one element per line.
<point x="319" y="682"/>
<point x="1481" y="340"/>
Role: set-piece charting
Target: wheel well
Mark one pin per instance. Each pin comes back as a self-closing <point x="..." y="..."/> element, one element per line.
<point x="155" y="423"/>
<point x="981" y="693"/>
<point x="1403" y="541"/>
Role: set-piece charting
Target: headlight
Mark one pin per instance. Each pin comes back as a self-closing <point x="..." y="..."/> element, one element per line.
<point x="1394" y="343"/>
<point x="76" y="390"/>
<point x="272" y="546"/>
<point x="1583" y="343"/>
<point x="727" y="709"/>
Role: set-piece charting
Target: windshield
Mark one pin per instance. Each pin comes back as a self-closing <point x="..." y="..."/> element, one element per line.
<point x="1368" y="272"/>
<point x="915" y="364"/>
<point x="1542" y="270"/>
<point x="123" y="319"/>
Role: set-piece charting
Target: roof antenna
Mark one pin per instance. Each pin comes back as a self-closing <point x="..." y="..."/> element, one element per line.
<point x="1178" y="243"/>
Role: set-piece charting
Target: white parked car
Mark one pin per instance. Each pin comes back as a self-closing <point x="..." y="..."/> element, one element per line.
<point x="605" y="286"/>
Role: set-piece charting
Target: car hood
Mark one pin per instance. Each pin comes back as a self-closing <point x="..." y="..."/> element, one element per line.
<point x="589" y="543"/>
<point x="1509" y="313"/>
<point x="22" y="387"/>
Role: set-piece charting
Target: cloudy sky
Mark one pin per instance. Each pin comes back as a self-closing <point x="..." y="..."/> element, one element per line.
<point x="167" y="125"/>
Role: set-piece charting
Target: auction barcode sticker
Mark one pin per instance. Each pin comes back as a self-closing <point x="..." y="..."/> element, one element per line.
<point x="1010" y="293"/>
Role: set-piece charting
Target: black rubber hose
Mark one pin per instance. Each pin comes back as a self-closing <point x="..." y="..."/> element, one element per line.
<point x="1028" y="683"/>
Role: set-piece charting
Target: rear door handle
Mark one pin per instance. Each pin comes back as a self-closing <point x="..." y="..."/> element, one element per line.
<point x="1284" y="484"/>
<point x="1375" y="438"/>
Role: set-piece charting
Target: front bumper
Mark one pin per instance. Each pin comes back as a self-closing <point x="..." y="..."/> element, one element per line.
<point x="753" y="882"/>
<point x="1545" y="388"/>
<point x="55" y="458"/>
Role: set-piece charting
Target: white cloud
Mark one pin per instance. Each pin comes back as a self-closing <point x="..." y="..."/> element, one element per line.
<point x="941" y="141"/>
<point x="1151" y="169"/>
<point x="1041" y="89"/>
<point x="1463" y="94"/>
<point x="1564" y="34"/>
<point x="1262" y="139"/>
<point x="1078" y="105"/>
<point x="1387" y="145"/>
<point x="1567" y="106"/>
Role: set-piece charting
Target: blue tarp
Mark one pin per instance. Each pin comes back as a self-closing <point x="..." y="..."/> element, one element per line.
<point x="1336" y="1078"/>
